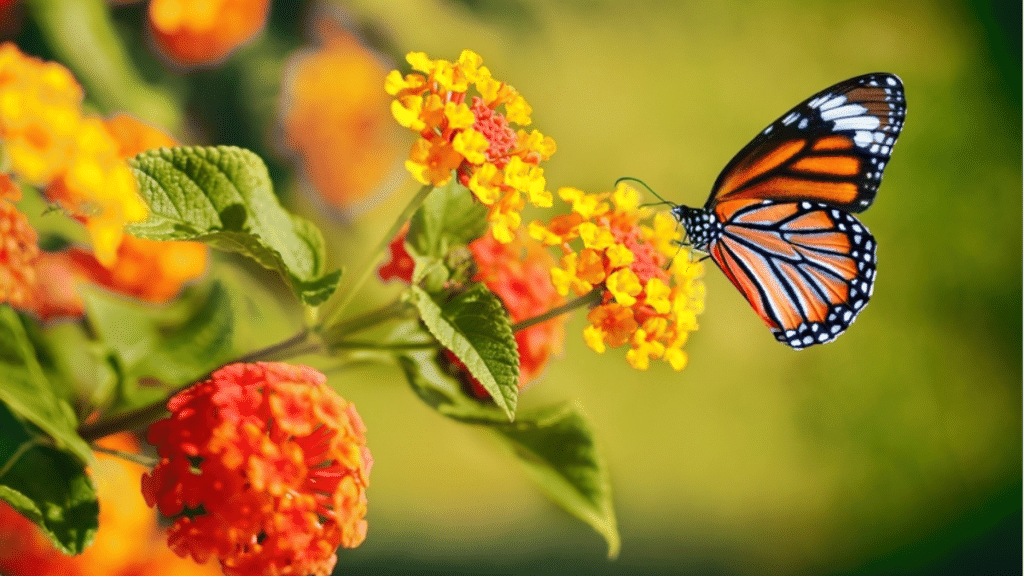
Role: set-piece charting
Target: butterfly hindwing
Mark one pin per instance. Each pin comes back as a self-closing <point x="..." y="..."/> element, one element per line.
<point x="831" y="148"/>
<point x="806" y="268"/>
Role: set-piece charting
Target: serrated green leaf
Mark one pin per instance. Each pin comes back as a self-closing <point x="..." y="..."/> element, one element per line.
<point x="443" y="393"/>
<point x="26" y="391"/>
<point x="173" y="344"/>
<point x="448" y="217"/>
<point x="222" y="195"/>
<point x="475" y="326"/>
<point x="48" y="486"/>
<point x="556" y="447"/>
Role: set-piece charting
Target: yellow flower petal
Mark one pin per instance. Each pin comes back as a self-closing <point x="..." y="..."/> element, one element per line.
<point x="619" y="256"/>
<point x="406" y="112"/>
<point x="594" y="337"/>
<point x="657" y="295"/>
<point x="472" y="145"/>
<point x="624" y="286"/>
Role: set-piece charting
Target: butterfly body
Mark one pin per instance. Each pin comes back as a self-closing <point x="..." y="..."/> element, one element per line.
<point x="779" y="220"/>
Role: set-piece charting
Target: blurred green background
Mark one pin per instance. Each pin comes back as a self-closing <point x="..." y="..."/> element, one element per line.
<point x="894" y="450"/>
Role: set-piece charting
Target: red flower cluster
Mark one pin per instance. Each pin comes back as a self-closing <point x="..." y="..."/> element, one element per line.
<point x="264" y="467"/>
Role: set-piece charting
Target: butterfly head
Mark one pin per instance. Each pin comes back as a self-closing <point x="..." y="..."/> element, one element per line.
<point x="701" y="225"/>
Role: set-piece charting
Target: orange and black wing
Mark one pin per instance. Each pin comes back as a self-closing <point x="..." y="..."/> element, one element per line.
<point x="831" y="148"/>
<point x="805" y="267"/>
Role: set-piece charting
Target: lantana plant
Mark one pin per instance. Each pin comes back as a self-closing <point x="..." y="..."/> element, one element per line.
<point x="256" y="462"/>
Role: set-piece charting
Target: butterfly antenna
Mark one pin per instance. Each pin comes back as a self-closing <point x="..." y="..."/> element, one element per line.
<point x="644" y="184"/>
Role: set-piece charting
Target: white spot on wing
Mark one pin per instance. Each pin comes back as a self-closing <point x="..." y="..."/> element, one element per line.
<point x="843" y="112"/>
<point x="859" y="123"/>
<point x="833" y="103"/>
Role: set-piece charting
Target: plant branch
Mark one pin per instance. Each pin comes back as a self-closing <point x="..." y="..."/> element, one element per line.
<point x="332" y="314"/>
<point x="134" y="419"/>
<point x="585" y="300"/>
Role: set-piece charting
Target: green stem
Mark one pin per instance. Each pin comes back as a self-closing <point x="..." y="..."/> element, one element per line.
<point x="373" y="345"/>
<point x="585" y="300"/>
<point x="331" y="315"/>
<point x="301" y="343"/>
<point x="365" y="321"/>
<point x="136" y="458"/>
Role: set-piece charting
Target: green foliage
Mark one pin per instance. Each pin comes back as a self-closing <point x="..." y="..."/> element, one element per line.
<point x="223" y="196"/>
<point x="449" y="217"/>
<point x="557" y="449"/>
<point x="42" y="458"/>
<point x="444" y="394"/>
<point x="555" y="445"/>
<point x="475" y="326"/>
<point x="172" y="345"/>
<point x="27" y="393"/>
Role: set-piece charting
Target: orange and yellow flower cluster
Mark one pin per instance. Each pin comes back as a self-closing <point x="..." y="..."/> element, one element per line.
<point x="50" y="143"/>
<point x="204" y="32"/>
<point x="477" y="139"/>
<point x="264" y="467"/>
<point x="78" y="160"/>
<point x="650" y="288"/>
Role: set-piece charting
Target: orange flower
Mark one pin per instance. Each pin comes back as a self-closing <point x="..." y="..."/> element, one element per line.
<point x="264" y="467"/>
<point x="19" y="250"/>
<point x="133" y="136"/>
<point x="340" y="131"/>
<point x="203" y="32"/>
<point x="477" y="139"/>
<point x="650" y="288"/>
<point x="145" y="269"/>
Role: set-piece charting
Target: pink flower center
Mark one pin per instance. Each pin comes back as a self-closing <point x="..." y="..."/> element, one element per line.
<point x="494" y="126"/>
<point x="647" y="262"/>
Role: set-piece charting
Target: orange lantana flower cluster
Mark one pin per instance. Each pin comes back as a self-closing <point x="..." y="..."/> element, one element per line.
<point x="341" y="132"/>
<point x="650" y="287"/>
<point x="475" y="138"/>
<point x="264" y="467"/>
<point x="50" y="143"/>
<point x="203" y="32"/>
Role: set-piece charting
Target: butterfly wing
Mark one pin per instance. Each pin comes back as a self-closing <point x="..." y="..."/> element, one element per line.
<point x="831" y="148"/>
<point x="806" y="268"/>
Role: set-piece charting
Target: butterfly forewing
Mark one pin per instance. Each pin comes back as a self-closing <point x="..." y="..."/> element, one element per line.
<point x="831" y="148"/>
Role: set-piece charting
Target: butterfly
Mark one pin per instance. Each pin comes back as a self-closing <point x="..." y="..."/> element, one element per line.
<point x="779" y="220"/>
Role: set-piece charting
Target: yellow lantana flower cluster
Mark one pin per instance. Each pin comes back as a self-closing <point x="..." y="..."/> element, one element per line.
<point x="472" y="134"/>
<point x="48" y="142"/>
<point x="651" y="290"/>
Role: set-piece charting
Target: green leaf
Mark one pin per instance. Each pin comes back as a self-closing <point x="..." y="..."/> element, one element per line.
<point x="173" y="344"/>
<point x="26" y="391"/>
<point x="556" y="447"/>
<point x="443" y="393"/>
<point x="223" y="196"/>
<point x="448" y="217"/>
<point x="475" y="326"/>
<point x="48" y="486"/>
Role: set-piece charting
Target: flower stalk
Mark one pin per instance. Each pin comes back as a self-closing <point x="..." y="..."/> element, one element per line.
<point x="332" y="315"/>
